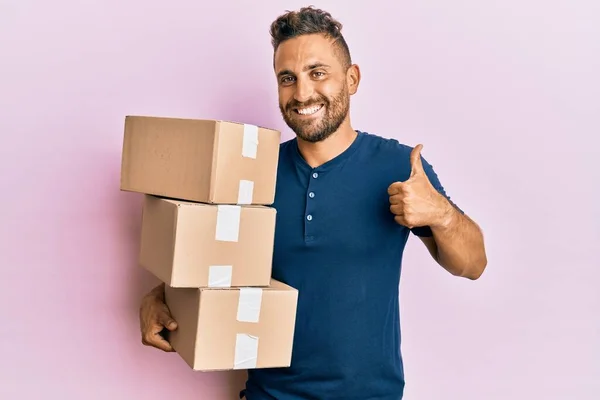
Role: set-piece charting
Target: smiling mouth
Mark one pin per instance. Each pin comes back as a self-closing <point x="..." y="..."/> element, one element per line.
<point x="308" y="110"/>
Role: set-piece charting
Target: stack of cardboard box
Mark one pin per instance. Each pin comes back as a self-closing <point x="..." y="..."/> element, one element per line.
<point x="208" y="233"/>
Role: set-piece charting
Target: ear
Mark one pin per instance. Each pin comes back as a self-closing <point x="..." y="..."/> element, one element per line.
<point x="353" y="78"/>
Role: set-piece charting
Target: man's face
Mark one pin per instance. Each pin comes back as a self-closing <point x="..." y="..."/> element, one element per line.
<point x="314" y="86"/>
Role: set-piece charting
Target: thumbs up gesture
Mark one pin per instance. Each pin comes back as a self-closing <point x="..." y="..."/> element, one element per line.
<point x="415" y="202"/>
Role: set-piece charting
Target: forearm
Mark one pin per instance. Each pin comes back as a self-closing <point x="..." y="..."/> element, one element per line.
<point x="460" y="244"/>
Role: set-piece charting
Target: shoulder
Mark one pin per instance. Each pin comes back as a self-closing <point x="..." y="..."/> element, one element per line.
<point x="385" y="146"/>
<point x="285" y="149"/>
<point x="286" y="157"/>
<point x="387" y="154"/>
<point x="392" y="159"/>
<point x="286" y="145"/>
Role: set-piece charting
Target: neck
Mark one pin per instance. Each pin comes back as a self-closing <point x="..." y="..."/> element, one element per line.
<point x="316" y="154"/>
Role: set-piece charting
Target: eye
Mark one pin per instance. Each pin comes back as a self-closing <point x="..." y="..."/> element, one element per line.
<point x="287" y="80"/>
<point x="318" y="74"/>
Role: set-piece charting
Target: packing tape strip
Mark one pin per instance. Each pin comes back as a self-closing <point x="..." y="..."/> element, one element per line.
<point x="249" y="304"/>
<point x="245" y="192"/>
<point x="228" y="223"/>
<point x="219" y="275"/>
<point x="250" y="141"/>
<point x="246" y="351"/>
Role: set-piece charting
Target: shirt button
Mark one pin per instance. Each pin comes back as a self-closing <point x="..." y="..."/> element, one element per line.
<point x="311" y="195"/>
<point x="309" y="217"/>
<point x="315" y="175"/>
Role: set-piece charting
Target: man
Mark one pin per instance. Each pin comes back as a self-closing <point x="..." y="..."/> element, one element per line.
<point x="346" y="202"/>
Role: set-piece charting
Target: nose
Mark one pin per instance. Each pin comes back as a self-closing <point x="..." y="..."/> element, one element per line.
<point x="304" y="90"/>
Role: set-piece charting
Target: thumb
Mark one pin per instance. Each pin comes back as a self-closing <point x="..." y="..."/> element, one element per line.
<point x="415" y="161"/>
<point x="167" y="321"/>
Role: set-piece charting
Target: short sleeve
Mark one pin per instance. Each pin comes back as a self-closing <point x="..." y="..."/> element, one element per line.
<point x="425" y="231"/>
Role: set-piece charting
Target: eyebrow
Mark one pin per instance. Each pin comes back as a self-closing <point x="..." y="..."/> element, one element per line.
<point x="306" y="68"/>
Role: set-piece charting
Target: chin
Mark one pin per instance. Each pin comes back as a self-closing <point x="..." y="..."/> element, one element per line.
<point x="313" y="136"/>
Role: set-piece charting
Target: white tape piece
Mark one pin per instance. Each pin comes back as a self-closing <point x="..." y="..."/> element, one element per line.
<point x="246" y="351"/>
<point x="228" y="223"/>
<point x="249" y="304"/>
<point x="250" y="141"/>
<point x="219" y="275"/>
<point x="245" y="192"/>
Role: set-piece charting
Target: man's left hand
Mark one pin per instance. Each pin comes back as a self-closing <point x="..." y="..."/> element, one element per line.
<point x="415" y="202"/>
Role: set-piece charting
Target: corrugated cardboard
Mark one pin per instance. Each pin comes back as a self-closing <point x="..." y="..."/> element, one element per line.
<point x="200" y="160"/>
<point x="227" y="329"/>
<point x="189" y="244"/>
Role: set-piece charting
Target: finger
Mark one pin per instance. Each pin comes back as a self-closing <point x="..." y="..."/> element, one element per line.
<point x="415" y="161"/>
<point x="167" y="321"/>
<point x="400" y="220"/>
<point x="397" y="209"/>
<point x="156" y="340"/>
<point x="395" y="188"/>
<point x="397" y="199"/>
<point x="404" y="221"/>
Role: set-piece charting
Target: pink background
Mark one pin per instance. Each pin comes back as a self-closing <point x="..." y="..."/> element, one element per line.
<point x="503" y="94"/>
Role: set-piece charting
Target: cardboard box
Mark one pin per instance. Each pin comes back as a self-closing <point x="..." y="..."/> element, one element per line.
<point x="199" y="160"/>
<point x="189" y="244"/>
<point x="228" y="329"/>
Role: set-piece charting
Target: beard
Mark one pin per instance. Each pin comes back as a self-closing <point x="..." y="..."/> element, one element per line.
<point x="317" y="129"/>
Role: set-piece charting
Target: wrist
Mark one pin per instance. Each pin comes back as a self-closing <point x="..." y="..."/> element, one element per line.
<point x="447" y="215"/>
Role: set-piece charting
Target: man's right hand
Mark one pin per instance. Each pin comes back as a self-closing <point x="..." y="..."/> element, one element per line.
<point x="154" y="318"/>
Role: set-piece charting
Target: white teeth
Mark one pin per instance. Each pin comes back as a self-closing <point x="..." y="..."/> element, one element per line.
<point x="308" y="111"/>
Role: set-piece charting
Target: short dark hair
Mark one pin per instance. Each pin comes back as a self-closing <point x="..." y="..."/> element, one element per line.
<point x="306" y="21"/>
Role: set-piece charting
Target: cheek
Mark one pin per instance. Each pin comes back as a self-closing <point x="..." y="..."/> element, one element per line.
<point x="285" y="94"/>
<point x="330" y="88"/>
